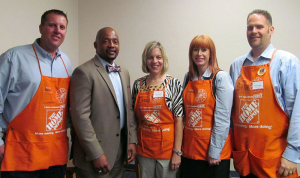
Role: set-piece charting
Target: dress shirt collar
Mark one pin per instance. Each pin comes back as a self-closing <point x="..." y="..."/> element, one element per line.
<point x="267" y="54"/>
<point x="104" y="62"/>
<point x="205" y="76"/>
<point x="42" y="52"/>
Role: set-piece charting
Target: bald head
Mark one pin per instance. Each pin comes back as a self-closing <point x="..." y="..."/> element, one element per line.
<point x="107" y="44"/>
<point x="104" y="31"/>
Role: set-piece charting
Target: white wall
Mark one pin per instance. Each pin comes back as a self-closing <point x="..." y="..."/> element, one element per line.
<point x="175" y="22"/>
<point x="20" y="20"/>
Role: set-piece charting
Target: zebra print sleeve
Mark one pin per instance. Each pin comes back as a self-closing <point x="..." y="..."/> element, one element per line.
<point x="174" y="96"/>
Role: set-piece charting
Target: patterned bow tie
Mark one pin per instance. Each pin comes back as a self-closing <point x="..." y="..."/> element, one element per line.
<point x="115" y="68"/>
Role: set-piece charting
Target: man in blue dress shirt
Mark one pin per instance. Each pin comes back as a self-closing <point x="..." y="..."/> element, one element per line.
<point x="283" y="71"/>
<point x="22" y="70"/>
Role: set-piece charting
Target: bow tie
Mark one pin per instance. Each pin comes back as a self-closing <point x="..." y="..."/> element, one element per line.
<point x="115" y="68"/>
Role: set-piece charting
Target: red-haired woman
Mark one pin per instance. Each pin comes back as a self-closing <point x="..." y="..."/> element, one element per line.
<point x="207" y="97"/>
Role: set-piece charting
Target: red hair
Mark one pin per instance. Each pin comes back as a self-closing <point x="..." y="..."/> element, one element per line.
<point x="202" y="41"/>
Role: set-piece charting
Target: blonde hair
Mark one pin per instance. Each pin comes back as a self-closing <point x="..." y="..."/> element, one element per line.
<point x="148" y="49"/>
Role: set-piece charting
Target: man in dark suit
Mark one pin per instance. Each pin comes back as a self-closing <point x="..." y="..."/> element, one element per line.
<point x="101" y="110"/>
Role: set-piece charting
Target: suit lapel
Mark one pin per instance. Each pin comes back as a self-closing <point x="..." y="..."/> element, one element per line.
<point x="104" y="75"/>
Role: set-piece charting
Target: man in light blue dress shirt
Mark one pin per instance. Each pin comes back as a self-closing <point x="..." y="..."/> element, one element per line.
<point x="20" y="78"/>
<point x="285" y="78"/>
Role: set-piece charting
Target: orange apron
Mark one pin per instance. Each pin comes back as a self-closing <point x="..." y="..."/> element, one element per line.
<point x="156" y="123"/>
<point x="37" y="137"/>
<point x="199" y="104"/>
<point x="260" y="124"/>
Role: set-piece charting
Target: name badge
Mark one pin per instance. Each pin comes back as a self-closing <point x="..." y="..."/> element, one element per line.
<point x="258" y="85"/>
<point x="158" y="94"/>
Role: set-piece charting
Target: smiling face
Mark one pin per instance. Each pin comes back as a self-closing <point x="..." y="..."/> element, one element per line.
<point x="201" y="57"/>
<point x="259" y="32"/>
<point x="107" y="44"/>
<point x="155" y="61"/>
<point x="53" y="32"/>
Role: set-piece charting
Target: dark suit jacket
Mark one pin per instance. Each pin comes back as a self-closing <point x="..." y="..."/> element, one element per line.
<point x="95" y="114"/>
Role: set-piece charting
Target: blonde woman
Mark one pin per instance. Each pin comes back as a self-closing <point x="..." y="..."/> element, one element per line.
<point x="158" y="106"/>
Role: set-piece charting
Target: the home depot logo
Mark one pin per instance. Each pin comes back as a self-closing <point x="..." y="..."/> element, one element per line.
<point x="152" y="117"/>
<point x="249" y="112"/>
<point x="54" y="118"/>
<point x="195" y="117"/>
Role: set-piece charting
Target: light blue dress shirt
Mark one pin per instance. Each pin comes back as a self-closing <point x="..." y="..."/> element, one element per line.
<point x="20" y="77"/>
<point x="117" y="84"/>
<point x="285" y="75"/>
<point x="222" y="113"/>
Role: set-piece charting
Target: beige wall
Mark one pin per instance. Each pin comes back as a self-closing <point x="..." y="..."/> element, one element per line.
<point x="172" y="22"/>
<point x="20" y="20"/>
<point x="175" y="22"/>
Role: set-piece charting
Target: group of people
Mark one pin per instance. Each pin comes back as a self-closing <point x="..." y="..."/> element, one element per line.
<point x="249" y="115"/>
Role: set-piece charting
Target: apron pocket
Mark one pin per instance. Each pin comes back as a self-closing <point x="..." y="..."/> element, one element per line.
<point x="195" y="148"/>
<point x="39" y="153"/>
<point x="241" y="162"/>
<point x="59" y="156"/>
<point x="156" y="148"/>
<point x="265" y="167"/>
<point x="15" y="152"/>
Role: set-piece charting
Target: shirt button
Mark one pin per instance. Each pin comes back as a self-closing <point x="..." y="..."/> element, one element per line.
<point x="117" y="134"/>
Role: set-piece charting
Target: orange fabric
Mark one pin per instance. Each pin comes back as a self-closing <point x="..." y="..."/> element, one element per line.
<point x="36" y="138"/>
<point x="260" y="125"/>
<point x="199" y="103"/>
<point x="156" y="124"/>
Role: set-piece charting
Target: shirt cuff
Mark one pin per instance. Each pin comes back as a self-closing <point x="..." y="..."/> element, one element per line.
<point x="214" y="152"/>
<point x="291" y="154"/>
<point x="98" y="157"/>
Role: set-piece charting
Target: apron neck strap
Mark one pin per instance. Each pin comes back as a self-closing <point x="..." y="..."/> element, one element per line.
<point x="37" y="57"/>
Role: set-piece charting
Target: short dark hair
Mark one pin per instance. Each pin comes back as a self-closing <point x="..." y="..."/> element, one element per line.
<point x="52" y="11"/>
<point x="262" y="12"/>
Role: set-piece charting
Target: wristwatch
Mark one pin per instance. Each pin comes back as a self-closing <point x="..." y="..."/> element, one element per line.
<point x="179" y="153"/>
